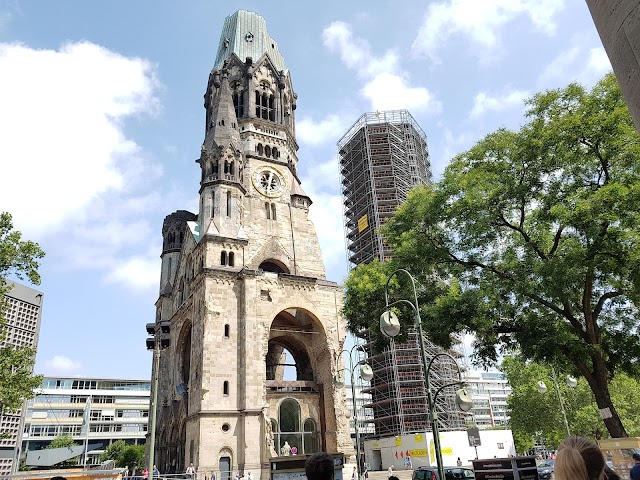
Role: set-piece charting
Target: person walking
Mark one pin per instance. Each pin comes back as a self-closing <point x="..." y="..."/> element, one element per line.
<point x="191" y="471"/>
<point x="459" y="462"/>
<point x="390" y="471"/>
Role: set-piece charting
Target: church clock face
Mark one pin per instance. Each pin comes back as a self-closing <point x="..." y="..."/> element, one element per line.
<point x="268" y="181"/>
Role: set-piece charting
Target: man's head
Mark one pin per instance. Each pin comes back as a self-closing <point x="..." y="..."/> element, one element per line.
<point x="319" y="466"/>
<point x="636" y="457"/>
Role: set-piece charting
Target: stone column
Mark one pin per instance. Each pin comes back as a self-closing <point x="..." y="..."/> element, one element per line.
<point x="618" y="24"/>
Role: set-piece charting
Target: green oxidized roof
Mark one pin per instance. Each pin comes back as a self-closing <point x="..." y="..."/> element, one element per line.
<point x="245" y="34"/>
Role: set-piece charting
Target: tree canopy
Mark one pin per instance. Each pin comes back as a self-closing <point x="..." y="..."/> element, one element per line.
<point x="535" y="414"/>
<point x="124" y="455"/>
<point x="530" y="241"/>
<point x="19" y="258"/>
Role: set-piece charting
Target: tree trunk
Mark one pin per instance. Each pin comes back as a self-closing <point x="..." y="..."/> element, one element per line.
<point x="598" y="380"/>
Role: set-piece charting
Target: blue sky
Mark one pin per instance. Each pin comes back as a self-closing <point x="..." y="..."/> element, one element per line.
<point x="102" y="118"/>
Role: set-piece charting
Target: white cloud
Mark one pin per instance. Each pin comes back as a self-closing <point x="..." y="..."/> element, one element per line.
<point x="140" y="272"/>
<point x="321" y="184"/>
<point x="61" y="365"/>
<point x="577" y="63"/>
<point x="391" y="92"/>
<point x="385" y="84"/>
<point x="330" y="129"/>
<point x="480" y="21"/>
<point x="70" y="163"/>
<point x="62" y="126"/>
<point x="485" y="102"/>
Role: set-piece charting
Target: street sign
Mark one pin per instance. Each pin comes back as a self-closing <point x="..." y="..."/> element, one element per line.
<point x="473" y="434"/>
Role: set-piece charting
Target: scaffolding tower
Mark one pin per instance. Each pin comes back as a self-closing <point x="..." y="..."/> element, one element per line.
<point x="399" y="389"/>
<point x="382" y="157"/>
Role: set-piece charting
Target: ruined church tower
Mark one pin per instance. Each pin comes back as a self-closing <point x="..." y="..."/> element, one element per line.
<point x="243" y="284"/>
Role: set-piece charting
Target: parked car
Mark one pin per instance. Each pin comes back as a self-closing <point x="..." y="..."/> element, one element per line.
<point x="450" y="473"/>
<point x="545" y="469"/>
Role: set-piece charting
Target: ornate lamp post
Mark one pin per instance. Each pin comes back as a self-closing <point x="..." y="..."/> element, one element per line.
<point x="366" y="374"/>
<point x="390" y="327"/>
<point x="571" y="382"/>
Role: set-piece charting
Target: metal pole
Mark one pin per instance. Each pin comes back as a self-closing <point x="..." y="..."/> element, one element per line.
<point x="564" y="414"/>
<point x="355" y="418"/>
<point x="154" y="403"/>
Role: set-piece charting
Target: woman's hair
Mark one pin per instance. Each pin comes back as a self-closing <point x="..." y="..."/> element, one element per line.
<point x="578" y="459"/>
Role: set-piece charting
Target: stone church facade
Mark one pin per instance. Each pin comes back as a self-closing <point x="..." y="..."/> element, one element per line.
<point x="243" y="283"/>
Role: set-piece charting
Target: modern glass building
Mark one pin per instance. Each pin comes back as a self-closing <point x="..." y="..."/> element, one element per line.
<point x="94" y="411"/>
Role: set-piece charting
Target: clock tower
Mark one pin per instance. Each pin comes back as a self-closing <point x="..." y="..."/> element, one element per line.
<point x="250" y="326"/>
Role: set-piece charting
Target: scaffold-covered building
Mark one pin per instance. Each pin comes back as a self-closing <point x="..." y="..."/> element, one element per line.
<point x="382" y="157"/>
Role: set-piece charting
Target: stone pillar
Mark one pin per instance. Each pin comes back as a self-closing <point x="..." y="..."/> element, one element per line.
<point x="618" y="24"/>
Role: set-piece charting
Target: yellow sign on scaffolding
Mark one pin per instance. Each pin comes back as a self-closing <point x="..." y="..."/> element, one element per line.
<point x="363" y="223"/>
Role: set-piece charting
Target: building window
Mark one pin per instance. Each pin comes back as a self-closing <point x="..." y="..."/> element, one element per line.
<point x="291" y="430"/>
<point x="238" y="104"/>
<point x="264" y="106"/>
<point x="267" y="207"/>
<point x="225" y="388"/>
<point x="223" y="258"/>
<point x="213" y="202"/>
<point x="273" y="211"/>
<point x="260" y="149"/>
<point x="228" y="203"/>
<point x="226" y="330"/>
<point x="231" y="259"/>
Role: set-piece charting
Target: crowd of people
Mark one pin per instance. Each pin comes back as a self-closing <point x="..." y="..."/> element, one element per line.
<point x="577" y="458"/>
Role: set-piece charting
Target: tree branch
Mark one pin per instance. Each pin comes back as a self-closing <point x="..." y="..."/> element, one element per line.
<point x="524" y="234"/>
<point x="601" y="300"/>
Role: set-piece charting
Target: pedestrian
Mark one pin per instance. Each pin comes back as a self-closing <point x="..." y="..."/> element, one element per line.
<point x="390" y="471"/>
<point x="319" y="466"/>
<point x="235" y="476"/>
<point x="579" y="459"/>
<point x="156" y="472"/>
<point x="190" y="470"/>
<point x="366" y="473"/>
<point x="635" y="470"/>
<point x="409" y="462"/>
<point x="145" y="473"/>
<point x="249" y="476"/>
<point x="459" y="462"/>
<point x="125" y="474"/>
<point x="354" y="474"/>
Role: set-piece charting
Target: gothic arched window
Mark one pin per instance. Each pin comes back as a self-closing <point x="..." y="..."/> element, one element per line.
<point x="289" y="429"/>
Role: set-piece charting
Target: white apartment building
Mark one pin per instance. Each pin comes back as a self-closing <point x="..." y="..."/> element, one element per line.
<point x="489" y="391"/>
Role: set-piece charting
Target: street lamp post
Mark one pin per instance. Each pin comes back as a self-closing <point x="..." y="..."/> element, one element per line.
<point x="366" y="374"/>
<point x="571" y="382"/>
<point x="390" y="327"/>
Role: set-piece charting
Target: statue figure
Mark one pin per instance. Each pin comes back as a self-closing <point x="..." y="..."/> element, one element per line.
<point x="285" y="451"/>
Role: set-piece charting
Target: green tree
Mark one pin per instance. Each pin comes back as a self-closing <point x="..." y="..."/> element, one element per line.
<point x="124" y="455"/>
<point x="532" y="412"/>
<point x="18" y="258"/>
<point x="63" y="441"/>
<point x="132" y="456"/>
<point x="114" y="451"/>
<point x="530" y="240"/>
